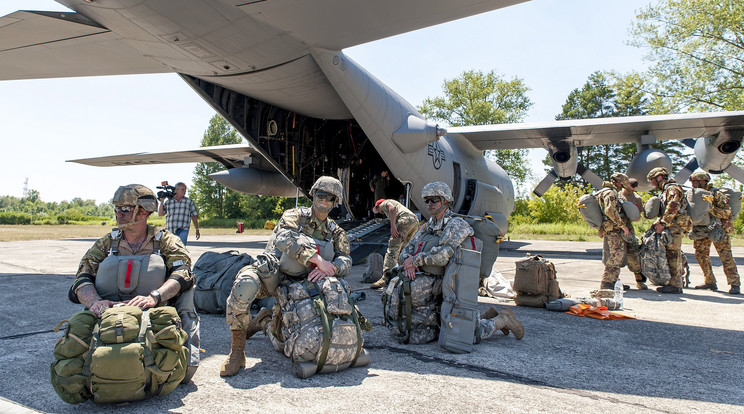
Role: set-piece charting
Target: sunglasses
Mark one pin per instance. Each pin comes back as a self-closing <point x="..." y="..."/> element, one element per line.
<point x="124" y="209"/>
<point x="331" y="198"/>
<point x="432" y="200"/>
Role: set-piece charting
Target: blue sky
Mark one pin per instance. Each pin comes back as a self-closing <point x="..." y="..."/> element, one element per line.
<point x="552" y="44"/>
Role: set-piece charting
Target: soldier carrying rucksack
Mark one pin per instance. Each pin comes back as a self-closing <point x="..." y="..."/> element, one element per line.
<point x="721" y="215"/>
<point x="441" y="250"/>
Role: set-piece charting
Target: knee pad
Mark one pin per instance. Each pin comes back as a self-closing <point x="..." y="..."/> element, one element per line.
<point x="246" y="289"/>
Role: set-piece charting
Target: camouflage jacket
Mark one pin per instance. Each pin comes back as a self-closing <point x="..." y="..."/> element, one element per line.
<point x="674" y="200"/>
<point x="451" y="230"/>
<point x="174" y="253"/>
<point x="300" y="220"/>
<point x="610" y="205"/>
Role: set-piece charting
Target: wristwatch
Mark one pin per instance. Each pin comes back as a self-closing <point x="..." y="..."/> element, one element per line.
<point x="156" y="295"/>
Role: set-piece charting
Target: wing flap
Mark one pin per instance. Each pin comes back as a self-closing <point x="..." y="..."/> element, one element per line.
<point x="600" y="131"/>
<point x="229" y="155"/>
<point x="57" y="44"/>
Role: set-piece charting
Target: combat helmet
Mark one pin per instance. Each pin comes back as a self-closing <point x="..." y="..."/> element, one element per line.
<point x="136" y="195"/>
<point x="700" y="175"/>
<point x="438" y="189"/>
<point x="621" y="179"/>
<point x="329" y="185"/>
<point x="656" y="172"/>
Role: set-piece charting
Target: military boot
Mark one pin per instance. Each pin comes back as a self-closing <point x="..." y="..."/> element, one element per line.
<point x="507" y="320"/>
<point x="607" y="285"/>
<point x="639" y="278"/>
<point x="711" y="286"/>
<point x="382" y="282"/>
<point x="492" y="313"/>
<point x="735" y="290"/>
<point x="259" y="323"/>
<point x="236" y="360"/>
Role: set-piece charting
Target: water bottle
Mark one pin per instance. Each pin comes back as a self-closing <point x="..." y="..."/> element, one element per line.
<point x="618" y="294"/>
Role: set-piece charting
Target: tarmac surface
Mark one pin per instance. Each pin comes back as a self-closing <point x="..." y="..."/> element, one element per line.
<point x="683" y="353"/>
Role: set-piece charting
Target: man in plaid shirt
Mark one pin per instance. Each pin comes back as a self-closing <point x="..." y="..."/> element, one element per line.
<point x="179" y="210"/>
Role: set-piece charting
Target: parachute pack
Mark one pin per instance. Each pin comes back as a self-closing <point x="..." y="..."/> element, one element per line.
<point x="488" y="232"/>
<point x="215" y="274"/>
<point x="128" y="355"/>
<point x="320" y="327"/>
<point x="591" y="211"/>
<point x="699" y="201"/>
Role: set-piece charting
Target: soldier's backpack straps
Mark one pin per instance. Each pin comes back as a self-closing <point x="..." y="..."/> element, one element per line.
<point x="156" y="242"/>
<point x="116" y="236"/>
<point x="320" y="307"/>
<point x="405" y="298"/>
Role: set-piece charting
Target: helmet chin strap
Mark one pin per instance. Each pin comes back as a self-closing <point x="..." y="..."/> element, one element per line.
<point x="132" y="222"/>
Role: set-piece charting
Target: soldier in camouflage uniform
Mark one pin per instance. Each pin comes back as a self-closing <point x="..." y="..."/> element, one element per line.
<point x="673" y="219"/>
<point x="133" y="204"/>
<point x="451" y="232"/>
<point x="627" y="193"/>
<point x="163" y="276"/>
<point x="292" y="240"/>
<point x="614" y="229"/>
<point x="720" y="209"/>
<point x="403" y="225"/>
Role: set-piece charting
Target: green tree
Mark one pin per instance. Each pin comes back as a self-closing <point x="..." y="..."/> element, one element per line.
<point x="208" y="194"/>
<point x="697" y="48"/>
<point x="477" y="98"/>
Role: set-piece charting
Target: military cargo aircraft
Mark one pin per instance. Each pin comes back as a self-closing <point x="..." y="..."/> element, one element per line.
<point x="276" y="70"/>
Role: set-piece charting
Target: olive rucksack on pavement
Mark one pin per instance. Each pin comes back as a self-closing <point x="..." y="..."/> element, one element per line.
<point x="215" y="274"/>
<point x="373" y="269"/>
<point x="128" y="355"/>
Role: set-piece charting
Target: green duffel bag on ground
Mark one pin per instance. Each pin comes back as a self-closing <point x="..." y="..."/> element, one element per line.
<point x="129" y="355"/>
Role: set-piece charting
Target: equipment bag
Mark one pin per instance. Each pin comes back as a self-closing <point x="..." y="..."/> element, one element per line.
<point x="652" y="207"/>
<point x="373" y="270"/>
<point x="699" y="200"/>
<point x="488" y="232"/>
<point x="321" y="327"/>
<point x="126" y="356"/>
<point x="652" y="254"/>
<point x="215" y="274"/>
<point x="411" y="307"/>
<point x="459" y="311"/>
<point x="588" y="206"/>
<point x="734" y="201"/>
<point x="535" y="282"/>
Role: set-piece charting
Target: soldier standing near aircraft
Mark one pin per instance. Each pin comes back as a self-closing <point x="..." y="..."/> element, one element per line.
<point x="403" y="225"/>
<point x="432" y="247"/>
<point x="293" y="240"/>
<point x="626" y="192"/>
<point x="719" y="208"/>
<point x="614" y="230"/>
<point x="672" y="220"/>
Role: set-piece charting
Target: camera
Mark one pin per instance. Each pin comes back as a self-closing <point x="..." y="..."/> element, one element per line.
<point x="168" y="190"/>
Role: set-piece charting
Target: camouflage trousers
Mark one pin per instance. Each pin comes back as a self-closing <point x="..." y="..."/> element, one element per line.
<point x="247" y="287"/>
<point x="407" y="226"/>
<point x="616" y="255"/>
<point x="702" y="255"/>
<point x="674" y="257"/>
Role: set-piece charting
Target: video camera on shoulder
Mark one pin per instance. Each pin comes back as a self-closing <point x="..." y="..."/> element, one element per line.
<point x="168" y="190"/>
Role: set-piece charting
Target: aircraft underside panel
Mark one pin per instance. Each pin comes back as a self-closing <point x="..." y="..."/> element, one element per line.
<point x="301" y="148"/>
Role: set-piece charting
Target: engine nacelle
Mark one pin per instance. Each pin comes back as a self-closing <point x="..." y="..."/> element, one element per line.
<point x="714" y="154"/>
<point x="565" y="161"/>
<point x="253" y="181"/>
<point x="644" y="162"/>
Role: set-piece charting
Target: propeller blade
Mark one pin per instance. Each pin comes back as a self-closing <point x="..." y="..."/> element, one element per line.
<point x="690" y="142"/>
<point x="736" y="172"/>
<point x="589" y="176"/>
<point x="686" y="171"/>
<point x="545" y="184"/>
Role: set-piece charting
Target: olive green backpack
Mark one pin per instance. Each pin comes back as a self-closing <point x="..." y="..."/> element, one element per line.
<point x="128" y="355"/>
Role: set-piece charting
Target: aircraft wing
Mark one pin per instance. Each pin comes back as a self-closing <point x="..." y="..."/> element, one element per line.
<point x="599" y="131"/>
<point x="56" y="44"/>
<point x="231" y="156"/>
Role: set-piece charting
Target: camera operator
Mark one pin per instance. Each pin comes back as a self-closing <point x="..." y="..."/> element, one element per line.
<point x="179" y="209"/>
